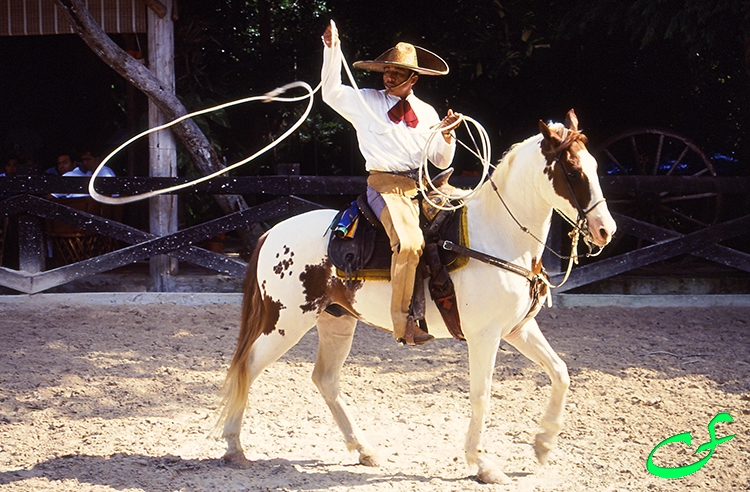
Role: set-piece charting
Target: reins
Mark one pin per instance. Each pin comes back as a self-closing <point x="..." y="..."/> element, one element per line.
<point x="580" y="229"/>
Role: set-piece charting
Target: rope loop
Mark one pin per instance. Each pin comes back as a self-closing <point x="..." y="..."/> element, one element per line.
<point x="481" y="151"/>
<point x="271" y="96"/>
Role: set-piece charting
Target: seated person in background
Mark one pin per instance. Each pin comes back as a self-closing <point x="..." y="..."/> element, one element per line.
<point x="65" y="163"/>
<point x="90" y="161"/>
<point x="10" y="168"/>
<point x="66" y="166"/>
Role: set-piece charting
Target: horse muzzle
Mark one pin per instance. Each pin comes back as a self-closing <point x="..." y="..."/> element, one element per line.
<point x="601" y="225"/>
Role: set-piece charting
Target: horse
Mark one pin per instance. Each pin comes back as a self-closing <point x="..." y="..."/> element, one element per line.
<point x="291" y="285"/>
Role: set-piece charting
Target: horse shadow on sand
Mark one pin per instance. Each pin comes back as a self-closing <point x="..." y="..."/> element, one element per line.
<point x="168" y="473"/>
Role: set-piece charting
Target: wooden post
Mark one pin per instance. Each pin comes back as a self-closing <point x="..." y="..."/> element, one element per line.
<point x="30" y="244"/>
<point x="162" y="149"/>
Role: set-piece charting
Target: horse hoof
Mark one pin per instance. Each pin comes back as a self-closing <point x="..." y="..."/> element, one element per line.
<point x="369" y="459"/>
<point x="236" y="460"/>
<point x="542" y="449"/>
<point x="493" y="477"/>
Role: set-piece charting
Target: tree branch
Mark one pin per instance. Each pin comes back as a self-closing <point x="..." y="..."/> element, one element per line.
<point x="157" y="7"/>
<point x="201" y="151"/>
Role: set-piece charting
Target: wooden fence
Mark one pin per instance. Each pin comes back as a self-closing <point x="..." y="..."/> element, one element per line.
<point x="280" y="195"/>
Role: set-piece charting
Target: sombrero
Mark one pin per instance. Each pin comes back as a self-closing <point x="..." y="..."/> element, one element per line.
<point x="407" y="56"/>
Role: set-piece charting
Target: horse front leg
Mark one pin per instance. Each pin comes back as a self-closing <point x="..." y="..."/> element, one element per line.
<point x="334" y="343"/>
<point x="529" y="340"/>
<point x="482" y="354"/>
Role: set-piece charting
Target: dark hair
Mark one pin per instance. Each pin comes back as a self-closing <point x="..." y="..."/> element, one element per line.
<point x="73" y="156"/>
<point x="93" y="151"/>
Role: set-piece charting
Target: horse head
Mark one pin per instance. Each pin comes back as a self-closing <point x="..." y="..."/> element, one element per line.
<point x="572" y="170"/>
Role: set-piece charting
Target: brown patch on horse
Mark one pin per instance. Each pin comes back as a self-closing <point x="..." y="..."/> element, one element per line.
<point x="260" y="312"/>
<point x="322" y="287"/>
<point x="315" y="280"/>
<point x="563" y="163"/>
<point x="269" y="312"/>
<point x="282" y="267"/>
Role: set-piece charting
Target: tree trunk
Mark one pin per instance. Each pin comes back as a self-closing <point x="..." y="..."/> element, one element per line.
<point x="201" y="152"/>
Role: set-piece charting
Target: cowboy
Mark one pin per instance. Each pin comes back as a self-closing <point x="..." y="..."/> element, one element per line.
<point x="393" y="135"/>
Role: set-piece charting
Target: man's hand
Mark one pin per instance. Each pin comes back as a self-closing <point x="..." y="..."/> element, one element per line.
<point x="331" y="36"/>
<point x="449" y="123"/>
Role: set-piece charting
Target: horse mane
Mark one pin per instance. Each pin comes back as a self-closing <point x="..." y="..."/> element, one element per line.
<point x="568" y="138"/>
<point x="510" y="154"/>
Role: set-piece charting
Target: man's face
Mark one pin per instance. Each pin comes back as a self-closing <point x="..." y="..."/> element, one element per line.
<point x="11" y="167"/>
<point x="64" y="164"/>
<point x="394" y="76"/>
<point x="89" y="161"/>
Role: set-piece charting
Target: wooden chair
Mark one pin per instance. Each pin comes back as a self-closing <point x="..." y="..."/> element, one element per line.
<point x="70" y="244"/>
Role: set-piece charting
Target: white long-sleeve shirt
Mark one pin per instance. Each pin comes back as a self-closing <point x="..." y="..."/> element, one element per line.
<point x="386" y="146"/>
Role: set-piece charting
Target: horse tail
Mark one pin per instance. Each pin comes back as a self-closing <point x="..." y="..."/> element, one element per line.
<point x="254" y="315"/>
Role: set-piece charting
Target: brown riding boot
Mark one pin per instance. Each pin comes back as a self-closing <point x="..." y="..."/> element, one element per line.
<point x="415" y="335"/>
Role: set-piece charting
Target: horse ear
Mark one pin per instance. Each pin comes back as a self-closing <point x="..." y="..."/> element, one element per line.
<point x="571" y="121"/>
<point x="548" y="134"/>
<point x="544" y="129"/>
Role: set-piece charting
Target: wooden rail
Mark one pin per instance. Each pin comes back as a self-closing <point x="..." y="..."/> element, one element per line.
<point x="27" y="206"/>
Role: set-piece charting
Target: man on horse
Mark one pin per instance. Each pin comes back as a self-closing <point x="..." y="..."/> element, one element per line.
<point x="393" y="135"/>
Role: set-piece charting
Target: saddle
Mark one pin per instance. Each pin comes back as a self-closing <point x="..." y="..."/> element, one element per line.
<point x="359" y="249"/>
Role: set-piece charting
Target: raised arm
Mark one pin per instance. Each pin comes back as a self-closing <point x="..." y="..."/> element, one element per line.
<point x="340" y="97"/>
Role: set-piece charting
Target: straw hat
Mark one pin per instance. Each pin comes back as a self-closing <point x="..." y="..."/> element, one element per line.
<point x="407" y="56"/>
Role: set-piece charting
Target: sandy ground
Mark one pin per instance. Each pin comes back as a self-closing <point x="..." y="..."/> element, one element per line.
<point x="124" y="398"/>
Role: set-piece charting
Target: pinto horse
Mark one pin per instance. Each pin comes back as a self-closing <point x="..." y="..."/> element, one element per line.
<point x="291" y="284"/>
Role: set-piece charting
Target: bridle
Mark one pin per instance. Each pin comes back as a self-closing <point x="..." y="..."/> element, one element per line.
<point x="580" y="226"/>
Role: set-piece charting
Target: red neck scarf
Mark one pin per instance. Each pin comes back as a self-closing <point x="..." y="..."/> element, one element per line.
<point x="402" y="111"/>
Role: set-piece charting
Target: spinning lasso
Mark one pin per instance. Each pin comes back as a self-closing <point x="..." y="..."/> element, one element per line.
<point x="482" y="154"/>
<point x="271" y="96"/>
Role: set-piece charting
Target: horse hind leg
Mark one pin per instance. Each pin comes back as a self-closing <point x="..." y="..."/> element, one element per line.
<point x="260" y="344"/>
<point x="334" y="343"/>
<point x="264" y="352"/>
<point x="529" y="340"/>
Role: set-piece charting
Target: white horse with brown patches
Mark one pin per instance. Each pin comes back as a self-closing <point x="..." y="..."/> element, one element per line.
<point x="291" y="282"/>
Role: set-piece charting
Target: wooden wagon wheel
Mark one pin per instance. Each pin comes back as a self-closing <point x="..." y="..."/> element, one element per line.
<point x="654" y="152"/>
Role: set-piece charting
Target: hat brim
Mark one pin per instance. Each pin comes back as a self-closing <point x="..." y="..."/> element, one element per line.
<point x="429" y="64"/>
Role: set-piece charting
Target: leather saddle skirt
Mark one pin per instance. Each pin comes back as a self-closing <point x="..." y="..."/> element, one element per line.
<point x="367" y="255"/>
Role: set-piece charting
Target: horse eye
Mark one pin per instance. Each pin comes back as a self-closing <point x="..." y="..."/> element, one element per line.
<point x="574" y="174"/>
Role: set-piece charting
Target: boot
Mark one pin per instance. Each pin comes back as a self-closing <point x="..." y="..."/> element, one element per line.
<point x="415" y="335"/>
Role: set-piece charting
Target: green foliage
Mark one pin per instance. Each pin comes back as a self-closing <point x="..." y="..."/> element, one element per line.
<point x="694" y="23"/>
<point x="677" y="64"/>
<point x="705" y="45"/>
